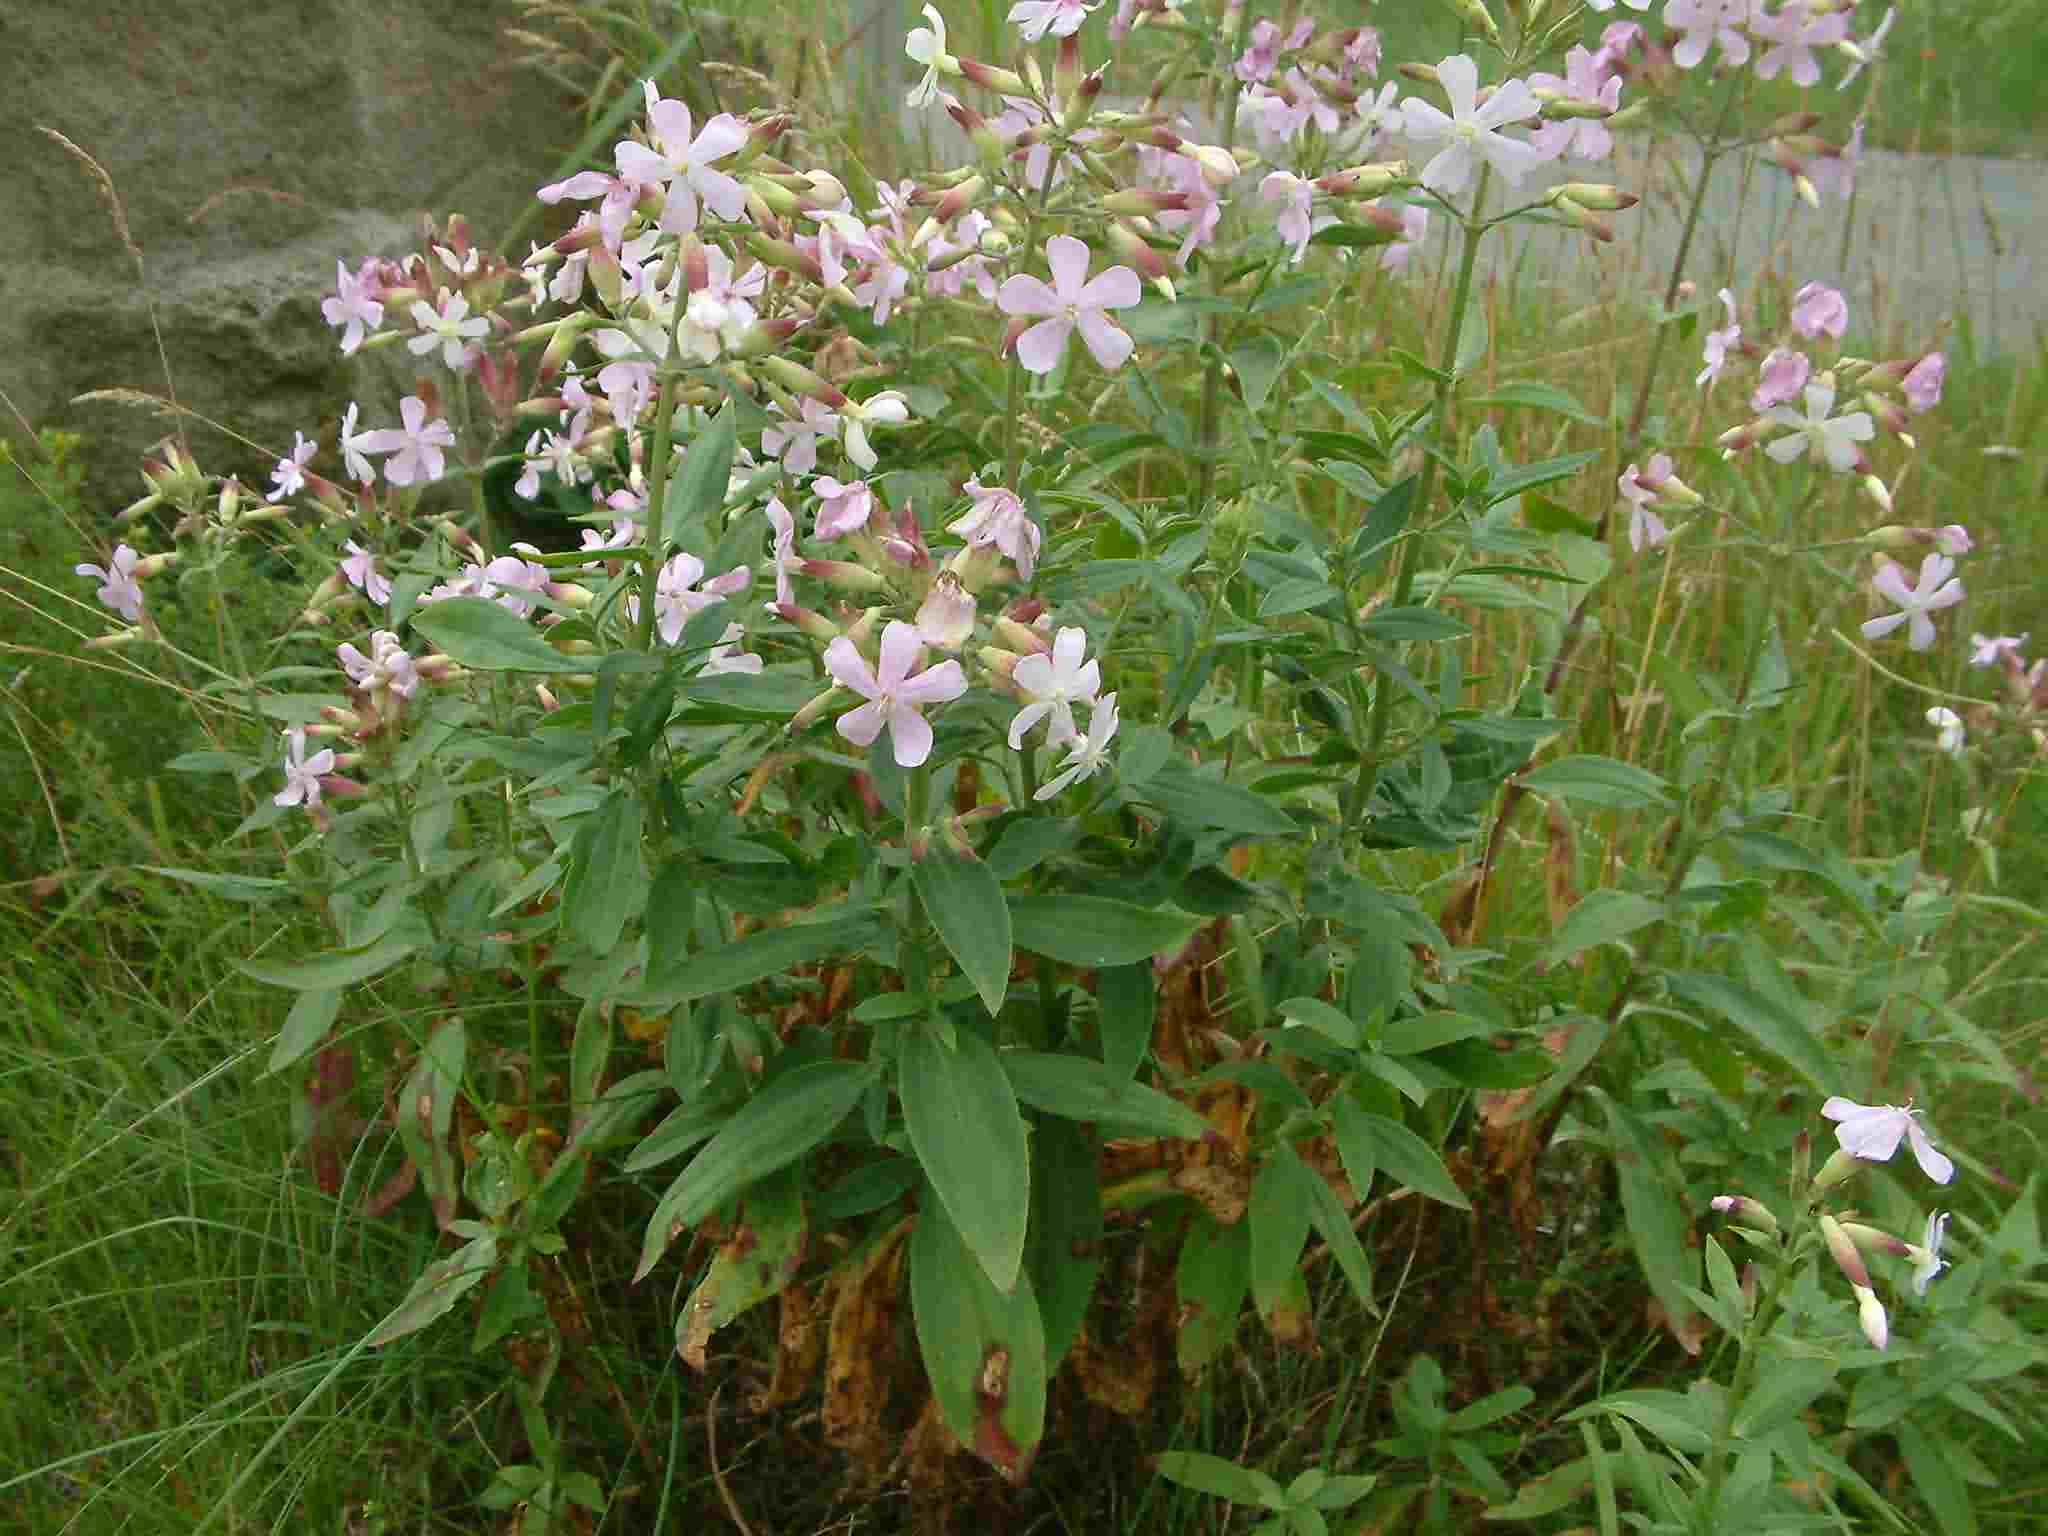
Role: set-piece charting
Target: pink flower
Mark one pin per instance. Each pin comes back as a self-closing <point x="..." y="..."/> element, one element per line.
<point x="1923" y="383"/>
<point x="795" y="442"/>
<point x="726" y="656"/>
<point x="1783" y="375"/>
<point x="1817" y="309"/>
<point x="677" y="596"/>
<point x="619" y="193"/>
<point x="302" y="773"/>
<point x="1715" y="352"/>
<point x="843" y="508"/>
<point x="509" y="575"/>
<point x="998" y="517"/>
<point x="1819" y="434"/>
<point x="356" y="447"/>
<point x="1707" y="22"/>
<point x="415" y="447"/>
<point x="1585" y="137"/>
<point x="1617" y="38"/>
<point x="353" y="307"/>
<point x="1204" y="209"/>
<point x="1471" y="133"/>
<point x="1072" y="300"/>
<point x="1796" y="34"/>
<point x="119" y="588"/>
<point x="946" y="617"/>
<point x="893" y="694"/>
<point x="1062" y="18"/>
<point x="1873" y="1132"/>
<point x="1953" y="539"/>
<point x="360" y="571"/>
<point x="1414" y="225"/>
<point x="1299" y="197"/>
<point x="444" y="325"/>
<point x="1936" y="589"/>
<point x="1257" y="61"/>
<point x="1989" y="650"/>
<point x="289" y="478"/>
<point x="1052" y="686"/>
<point x="1638" y="490"/>
<point x="682" y="164"/>
<point x="387" y="669"/>
<point x="784" y="557"/>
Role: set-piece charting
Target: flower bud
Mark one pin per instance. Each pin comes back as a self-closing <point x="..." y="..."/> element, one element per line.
<point x="815" y="709"/>
<point x="1363" y="180"/>
<point x="1593" y="194"/>
<point x="1020" y="638"/>
<point x="1476" y="13"/>
<point x="1751" y="1213"/>
<point x="1838" y="1167"/>
<point x="1880" y="496"/>
<point x="1870" y="1317"/>
<point x="844" y="574"/>
<point x="1005" y="82"/>
<point x="1842" y="1249"/>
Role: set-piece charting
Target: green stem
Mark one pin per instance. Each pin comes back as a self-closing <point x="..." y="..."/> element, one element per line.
<point x="1212" y="326"/>
<point x="1755" y="1329"/>
<point x="1404" y="556"/>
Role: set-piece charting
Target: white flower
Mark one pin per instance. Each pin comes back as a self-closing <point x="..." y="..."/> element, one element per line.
<point x="726" y="656"/>
<point x="1870" y="1317"/>
<point x="119" y="589"/>
<point x="1085" y="754"/>
<point x="1926" y="1255"/>
<point x="885" y="409"/>
<point x="1936" y="589"/>
<point x="1949" y="726"/>
<point x="893" y="694"/>
<point x="1053" y="685"/>
<point x="1472" y="132"/>
<point x="289" y="477"/>
<point x="447" y="325"/>
<point x="352" y="308"/>
<point x="302" y="773"/>
<point x="1826" y="438"/>
<point x="927" y="46"/>
<point x="360" y="570"/>
<point x="1062" y="18"/>
<point x="1873" y="1132"/>
<point x="1867" y="50"/>
<point x="387" y="669"/>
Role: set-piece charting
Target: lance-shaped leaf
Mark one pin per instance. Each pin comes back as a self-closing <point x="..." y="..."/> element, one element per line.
<point x="983" y="1349"/>
<point x="426" y="1112"/>
<point x="1095" y="930"/>
<point x="488" y="637"/>
<point x="755" y="1263"/>
<point x="439" y="1287"/>
<point x="1213" y="1275"/>
<point x="964" y="1126"/>
<point x="964" y="900"/>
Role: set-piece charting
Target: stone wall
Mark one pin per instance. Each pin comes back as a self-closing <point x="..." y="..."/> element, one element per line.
<point x="251" y="144"/>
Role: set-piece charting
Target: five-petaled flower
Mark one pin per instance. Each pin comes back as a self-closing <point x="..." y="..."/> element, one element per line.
<point x="927" y="46"/>
<point x="1795" y="32"/>
<point x="1873" y="1132"/>
<point x="1715" y="353"/>
<point x="359" y="569"/>
<point x="289" y="478"/>
<point x="1825" y="437"/>
<point x="1989" y="650"/>
<point x="415" y="447"/>
<point x="682" y="163"/>
<point x="1471" y="133"/>
<point x="894" y="695"/>
<point x="302" y="774"/>
<point x="1583" y="83"/>
<point x="353" y="308"/>
<point x="387" y="669"/>
<point x="1062" y="18"/>
<point x="1936" y="589"/>
<point x="1053" y="685"/>
<point x="119" y="588"/>
<point x="446" y="324"/>
<point x="843" y="506"/>
<point x="1072" y="300"/>
<point x="1818" y="309"/>
<point x="1085" y="754"/>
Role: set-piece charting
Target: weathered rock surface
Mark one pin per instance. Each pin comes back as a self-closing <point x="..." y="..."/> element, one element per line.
<point x="250" y="146"/>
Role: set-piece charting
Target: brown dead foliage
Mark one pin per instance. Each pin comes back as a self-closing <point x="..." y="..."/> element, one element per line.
<point x="860" y="1352"/>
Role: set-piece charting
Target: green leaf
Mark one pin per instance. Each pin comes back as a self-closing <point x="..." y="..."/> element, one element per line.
<point x="1125" y="1004"/>
<point x="1539" y="397"/>
<point x="769" y="952"/>
<point x="1211" y="1280"/>
<point x="1598" y="781"/>
<point x="1332" y="1223"/>
<point x="984" y="1349"/>
<point x="1781" y="1394"/>
<point x="1076" y="1088"/>
<point x="481" y="635"/>
<point x="343" y="968"/>
<point x="253" y="889"/>
<point x="697" y="492"/>
<point x="1388" y="1144"/>
<point x="964" y="899"/>
<point x="1527" y="477"/>
<point x="1279" y="1217"/>
<point x="1296" y="594"/>
<point x="607" y="880"/>
<point x="439" y="1287"/>
<point x="1781" y="1034"/>
<point x="1224" y="1479"/>
<point x="1257" y="363"/>
<point x="1933" y="1463"/>
<point x="962" y="1116"/>
<point x="1095" y="930"/>
<point x="1601" y="917"/>
<point x="1413" y="624"/>
<point x="1651" y="1202"/>
<point x="1320" y="1016"/>
<point x="312" y="1015"/>
<point x="772" y="1130"/>
<point x="1202" y="801"/>
<point x="755" y="1263"/>
<point x="1063" y="1254"/>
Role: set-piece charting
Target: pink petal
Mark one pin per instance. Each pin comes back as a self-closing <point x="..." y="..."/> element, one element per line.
<point x="850" y="669"/>
<point x="718" y="138"/>
<point x="935" y="685"/>
<point x="1116" y="288"/>
<point x="722" y="195"/>
<point x="900" y="650"/>
<point x="1109" y="345"/>
<point x="1068" y="259"/>
<point x="1023" y="294"/>
<point x="1039" y="348"/>
<point x="861" y="726"/>
<point x="1459" y="77"/>
<point x="909" y="737"/>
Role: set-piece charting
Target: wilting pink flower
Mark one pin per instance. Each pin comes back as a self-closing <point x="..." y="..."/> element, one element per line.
<point x="1644" y="526"/>
<point x="387" y="669"/>
<point x="1795" y="34"/>
<point x="354" y="307"/>
<point x="1936" y="589"/>
<point x="1990" y="650"/>
<point x="1923" y="383"/>
<point x="1817" y="308"/>
<point x="119" y="588"/>
<point x="1873" y="1132"/>
<point x="618" y="194"/>
<point x="1414" y="225"/>
<point x="1298" y="197"/>
<point x="1471" y="133"/>
<point x="1257" y="61"/>
<point x="726" y="656"/>
<point x="998" y="517"/>
<point x="1784" y="373"/>
<point x="843" y="508"/>
<point x="1715" y="352"/>
<point x="1072" y="301"/>
<point x="1053" y="685"/>
<point x="784" y="558"/>
<point x="946" y="617"/>
<point x="1707" y="22"/>
<point x="894" y="696"/>
<point x="1953" y="539"/>
<point x="302" y="773"/>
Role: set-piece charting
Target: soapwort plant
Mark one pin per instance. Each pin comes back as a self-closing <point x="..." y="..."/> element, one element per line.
<point x="923" y="799"/>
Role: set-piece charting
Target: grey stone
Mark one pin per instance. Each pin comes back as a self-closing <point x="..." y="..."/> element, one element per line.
<point x="250" y="146"/>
